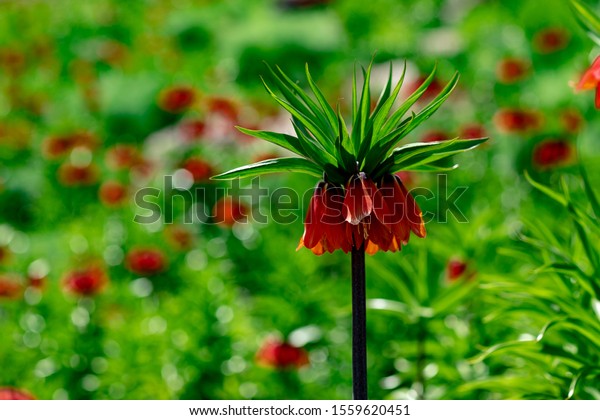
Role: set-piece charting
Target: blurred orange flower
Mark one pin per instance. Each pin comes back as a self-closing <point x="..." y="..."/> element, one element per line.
<point x="145" y="261"/>
<point x="85" y="281"/>
<point x="281" y="355"/>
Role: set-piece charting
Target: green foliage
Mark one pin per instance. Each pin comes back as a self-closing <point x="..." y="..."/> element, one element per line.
<point x="323" y="137"/>
<point x="564" y="295"/>
<point x="588" y="19"/>
<point x="520" y="322"/>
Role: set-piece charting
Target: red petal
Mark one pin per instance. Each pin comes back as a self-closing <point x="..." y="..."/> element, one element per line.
<point x="597" y="97"/>
<point x="591" y="77"/>
<point x="379" y="234"/>
<point x="358" y="202"/>
<point x="335" y="225"/>
<point x="394" y="208"/>
<point x="314" y="230"/>
<point x="414" y="214"/>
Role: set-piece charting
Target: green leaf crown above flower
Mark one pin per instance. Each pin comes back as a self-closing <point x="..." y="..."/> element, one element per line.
<point x="330" y="149"/>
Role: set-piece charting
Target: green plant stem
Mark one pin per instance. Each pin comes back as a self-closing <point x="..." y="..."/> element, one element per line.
<point x="421" y="357"/>
<point x="359" y="325"/>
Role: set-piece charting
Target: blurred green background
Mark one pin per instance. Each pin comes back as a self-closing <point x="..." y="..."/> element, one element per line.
<point x="101" y="99"/>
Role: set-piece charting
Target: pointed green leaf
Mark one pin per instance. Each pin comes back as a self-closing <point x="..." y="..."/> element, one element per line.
<point x="453" y="296"/>
<point x="386" y="92"/>
<point x="573" y="324"/>
<point x="395" y="118"/>
<point x="588" y="18"/>
<point x="381" y="113"/>
<point x="323" y="121"/>
<point x="354" y="96"/>
<point x="547" y="191"/>
<point x="307" y="121"/>
<point x="590" y="192"/>
<point x="327" y="109"/>
<point x="344" y="144"/>
<point x="312" y="147"/>
<point x="392" y="139"/>
<point x="580" y="377"/>
<point x="272" y="166"/>
<point x="589" y="249"/>
<point x="286" y="141"/>
<point x="431" y="168"/>
<point x="415" y="154"/>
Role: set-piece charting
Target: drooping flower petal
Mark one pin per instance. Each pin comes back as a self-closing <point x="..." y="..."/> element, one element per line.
<point x="379" y="234"/>
<point x="383" y="217"/>
<point x="391" y="209"/>
<point x="414" y="214"/>
<point x="333" y="219"/>
<point x="358" y="202"/>
<point x="313" y="228"/>
<point x="591" y="77"/>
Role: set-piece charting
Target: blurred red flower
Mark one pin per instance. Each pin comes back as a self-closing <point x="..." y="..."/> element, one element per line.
<point x="11" y="286"/>
<point x="227" y="211"/>
<point x="435" y="135"/>
<point x="281" y="355"/>
<point x="571" y="120"/>
<point x="512" y="70"/>
<point x="58" y="146"/>
<point x="551" y="153"/>
<point x="85" y="281"/>
<point x="591" y="80"/>
<point x="472" y="131"/>
<point x="223" y="106"/>
<point x="177" y="99"/>
<point x="517" y="120"/>
<point x="70" y="175"/>
<point x="9" y="393"/>
<point x="112" y="193"/>
<point x="192" y="129"/>
<point x="37" y="282"/>
<point x="380" y="218"/>
<point x="179" y="237"/>
<point x="122" y="156"/>
<point x="456" y="269"/>
<point x="200" y="169"/>
<point x="550" y="40"/>
<point x="145" y="261"/>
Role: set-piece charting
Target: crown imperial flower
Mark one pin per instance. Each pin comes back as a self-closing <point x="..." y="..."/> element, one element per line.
<point x="358" y="203"/>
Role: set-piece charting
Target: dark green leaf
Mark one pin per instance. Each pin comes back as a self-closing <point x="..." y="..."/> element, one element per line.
<point x="590" y="191"/>
<point x="288" y="142"/>
<point x="272" y="166"/>
<point x="414" y="154"/>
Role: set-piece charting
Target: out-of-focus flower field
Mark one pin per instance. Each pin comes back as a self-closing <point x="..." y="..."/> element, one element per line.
<point x="101" y="100"/>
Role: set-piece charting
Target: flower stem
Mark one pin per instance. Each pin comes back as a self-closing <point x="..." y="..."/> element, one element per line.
<point x="359" y="325"/>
